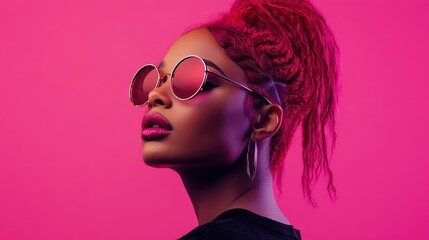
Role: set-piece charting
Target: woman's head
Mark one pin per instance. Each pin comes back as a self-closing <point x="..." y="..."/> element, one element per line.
<point x="211" y="129"/>
<point x="282" y="49"/>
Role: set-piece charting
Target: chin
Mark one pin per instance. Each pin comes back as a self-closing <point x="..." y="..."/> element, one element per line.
<point x="157" y="162"/>
<point x="162" y="161"/>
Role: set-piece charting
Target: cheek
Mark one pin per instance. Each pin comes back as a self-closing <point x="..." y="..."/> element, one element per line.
<point x="219" y="130"/>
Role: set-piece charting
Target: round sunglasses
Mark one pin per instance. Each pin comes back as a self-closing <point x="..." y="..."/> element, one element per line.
<point x="187" y="80"/>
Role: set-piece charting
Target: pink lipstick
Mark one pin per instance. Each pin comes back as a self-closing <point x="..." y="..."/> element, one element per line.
<point x="155" y="127"/>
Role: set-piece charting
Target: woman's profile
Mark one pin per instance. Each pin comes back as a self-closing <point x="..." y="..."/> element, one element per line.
<point x="224" y="104"/>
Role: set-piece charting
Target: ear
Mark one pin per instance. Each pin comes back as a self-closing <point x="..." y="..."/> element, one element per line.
<point x="267" y="122"/>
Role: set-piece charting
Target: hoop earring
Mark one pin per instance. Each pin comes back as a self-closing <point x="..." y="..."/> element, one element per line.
<point x="252" y="159"/>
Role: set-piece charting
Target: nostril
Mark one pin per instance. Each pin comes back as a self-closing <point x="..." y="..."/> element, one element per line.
<point x="158" y="102"/>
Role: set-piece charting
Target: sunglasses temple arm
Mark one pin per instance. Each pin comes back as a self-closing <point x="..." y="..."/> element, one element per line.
<point x="239" y="84"/>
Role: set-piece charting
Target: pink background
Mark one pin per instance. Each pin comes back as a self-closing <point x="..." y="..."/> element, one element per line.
<point x="70" y="152"/>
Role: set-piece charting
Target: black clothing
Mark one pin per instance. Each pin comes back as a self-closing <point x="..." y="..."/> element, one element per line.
<point x="242" y="224"/>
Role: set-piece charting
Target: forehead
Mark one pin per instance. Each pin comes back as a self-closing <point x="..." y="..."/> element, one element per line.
<point x="202" y="43"/>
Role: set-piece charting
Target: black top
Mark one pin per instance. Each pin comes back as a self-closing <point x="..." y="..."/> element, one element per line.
<point x="242" y="224"/>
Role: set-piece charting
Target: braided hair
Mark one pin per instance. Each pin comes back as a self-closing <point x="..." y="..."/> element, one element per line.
<point x="289" y="54"/>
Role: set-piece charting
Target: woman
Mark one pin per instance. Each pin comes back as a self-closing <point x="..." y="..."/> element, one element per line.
<point x="223" y="105"/>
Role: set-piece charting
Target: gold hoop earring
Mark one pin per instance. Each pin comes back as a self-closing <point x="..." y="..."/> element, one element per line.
<point x="252" y="159"/>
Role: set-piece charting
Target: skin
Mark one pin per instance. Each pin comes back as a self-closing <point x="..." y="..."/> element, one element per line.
<point x="208" y="144"/>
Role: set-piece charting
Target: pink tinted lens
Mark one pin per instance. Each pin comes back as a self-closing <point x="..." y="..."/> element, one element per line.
<point x="145" y="81"/>
<point x="188" y="77"/>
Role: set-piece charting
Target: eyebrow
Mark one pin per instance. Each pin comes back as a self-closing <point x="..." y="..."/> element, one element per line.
<point x="213" y="65"/>
<point x="208" y="62"/>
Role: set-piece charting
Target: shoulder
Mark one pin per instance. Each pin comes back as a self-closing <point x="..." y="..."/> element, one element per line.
<point x="242" y="224"/>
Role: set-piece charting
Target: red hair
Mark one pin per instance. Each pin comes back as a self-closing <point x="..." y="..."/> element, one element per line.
<point x="288" y="43"/>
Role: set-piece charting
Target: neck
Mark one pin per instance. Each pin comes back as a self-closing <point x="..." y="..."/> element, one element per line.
<point x="215" y="191"/>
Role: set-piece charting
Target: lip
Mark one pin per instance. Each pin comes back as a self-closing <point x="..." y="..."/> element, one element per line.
<point x="155" y="127"/>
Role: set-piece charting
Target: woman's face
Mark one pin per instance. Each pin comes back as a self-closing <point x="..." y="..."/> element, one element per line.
<point x="209" y="130"/>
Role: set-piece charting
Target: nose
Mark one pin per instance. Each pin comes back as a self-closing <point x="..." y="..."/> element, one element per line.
<point x="161" y="96"/>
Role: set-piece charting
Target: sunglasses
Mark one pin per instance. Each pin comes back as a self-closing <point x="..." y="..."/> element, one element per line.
<point x="187" y="80"/>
